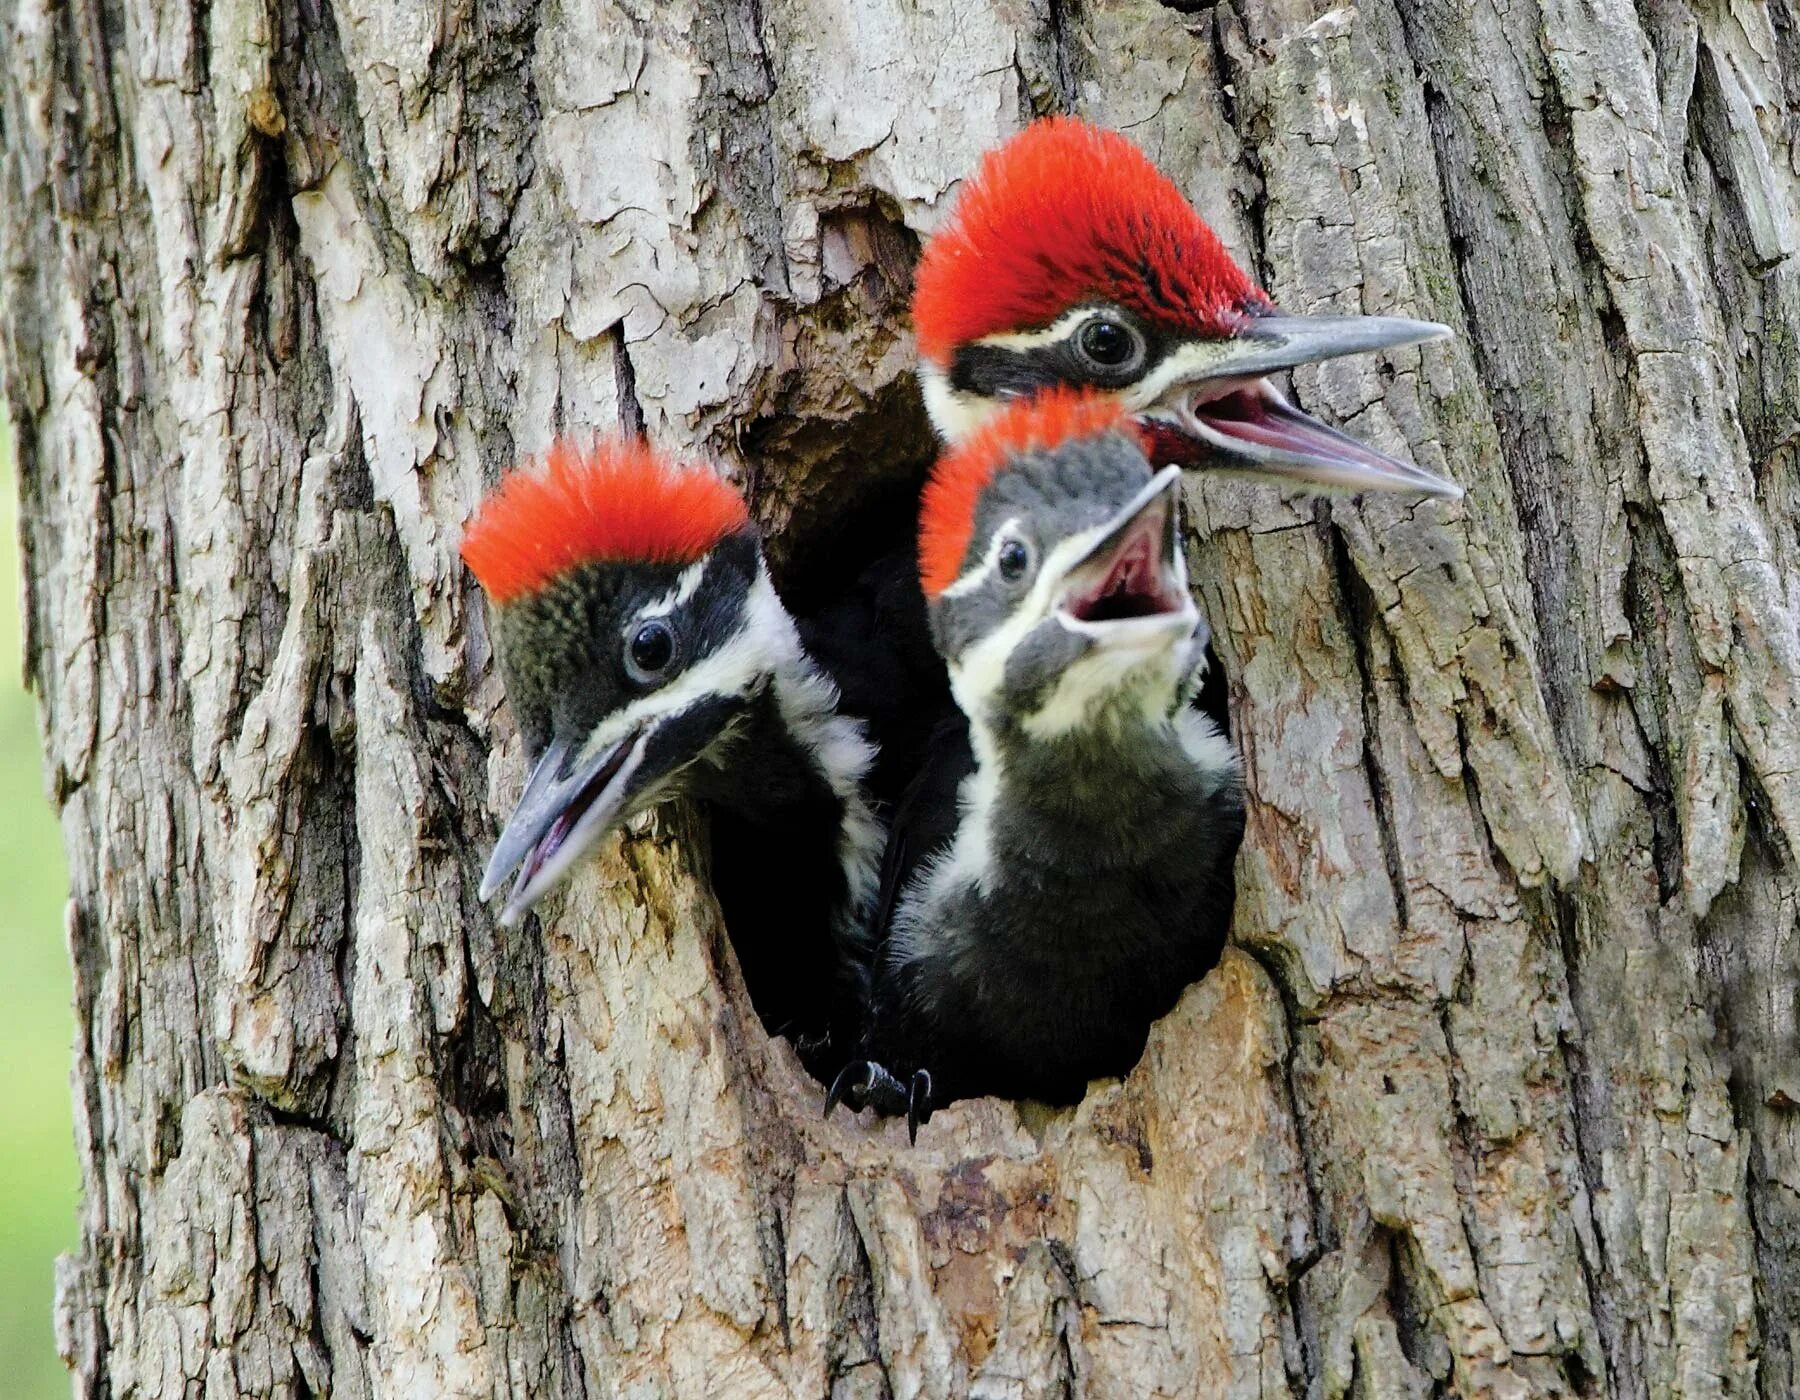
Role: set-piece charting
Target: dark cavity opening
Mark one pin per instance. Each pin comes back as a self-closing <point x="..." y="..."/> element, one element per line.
<point x="838" y="499"/>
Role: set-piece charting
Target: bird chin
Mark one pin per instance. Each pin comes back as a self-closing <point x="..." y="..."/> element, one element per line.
<point x="592" y="809"/>
<point x="1245" y="425"/>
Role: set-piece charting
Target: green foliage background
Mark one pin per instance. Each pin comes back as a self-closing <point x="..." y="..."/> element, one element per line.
<point x="37" y="1148"/>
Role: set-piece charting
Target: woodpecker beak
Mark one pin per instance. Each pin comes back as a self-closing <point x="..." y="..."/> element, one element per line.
<point x="1226" y="415"/>
<point x="560" y="815"/>
<point x="573" y="799"/>
<point x="1130" y="585"/>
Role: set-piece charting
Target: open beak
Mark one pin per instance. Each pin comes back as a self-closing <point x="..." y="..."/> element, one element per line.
<point x="1227" y="416"/>
<point x="573" y="798"/>
<point x="1131" y="584"/>
<point x="563" y="811"/>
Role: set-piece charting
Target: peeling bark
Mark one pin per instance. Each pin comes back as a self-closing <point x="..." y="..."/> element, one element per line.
<point x="1497" y="1094"/>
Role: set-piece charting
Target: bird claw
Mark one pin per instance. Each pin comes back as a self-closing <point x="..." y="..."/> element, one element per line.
<point x="864" y="1084"/>
<point x="848" y="1087"/>
<point x="918" y="1103"/>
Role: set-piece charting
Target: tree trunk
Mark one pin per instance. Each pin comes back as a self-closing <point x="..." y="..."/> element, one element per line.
<point x="1497" y="1093"/>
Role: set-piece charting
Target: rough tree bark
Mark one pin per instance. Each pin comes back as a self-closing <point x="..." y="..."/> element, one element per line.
<point x="1497" y="1094"/>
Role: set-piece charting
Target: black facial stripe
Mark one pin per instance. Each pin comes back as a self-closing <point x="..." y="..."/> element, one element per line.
<point x="998" y="372"/>
<point x="1034" y="668"/>
<point x="995" y="372"/>
<point x="715" y="612"/>
<point x="562" y="650"/>
<point x="683" y="737"/>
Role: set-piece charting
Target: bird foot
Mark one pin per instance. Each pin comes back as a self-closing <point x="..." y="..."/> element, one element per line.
<point x="865" y="1084"/>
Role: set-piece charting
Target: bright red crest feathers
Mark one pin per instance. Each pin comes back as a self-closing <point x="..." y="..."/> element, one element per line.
<point x="947" y="508"/>
<point x="615" y="500"/>
<point x="1063" y="213"/>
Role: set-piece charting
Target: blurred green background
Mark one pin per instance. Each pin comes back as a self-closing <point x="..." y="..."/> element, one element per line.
<point x="37" y="1147"/>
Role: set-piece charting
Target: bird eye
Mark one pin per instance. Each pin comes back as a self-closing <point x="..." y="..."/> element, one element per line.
<point x="650" y="650"/>
<point x="1107" y="344"/>
<point x="1015" y="558"/>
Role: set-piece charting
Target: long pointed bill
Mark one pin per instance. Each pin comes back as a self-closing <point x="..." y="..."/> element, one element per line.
<point x="1226" y="416"/>
<point x="1131" y="584"/>
<point x="1270" y="343"/>
<point x="560" y="815"/>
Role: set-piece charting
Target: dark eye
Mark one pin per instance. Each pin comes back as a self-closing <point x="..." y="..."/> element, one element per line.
<point x="650" y="650"/>
<point x="1108" y="344"/>
<point x="1015" y="558"/>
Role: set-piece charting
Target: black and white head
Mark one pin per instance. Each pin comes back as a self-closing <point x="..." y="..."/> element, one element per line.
<point x="1071" y="260"/>
<point x="635" y="624"/>
<point x="1051" y="563"/>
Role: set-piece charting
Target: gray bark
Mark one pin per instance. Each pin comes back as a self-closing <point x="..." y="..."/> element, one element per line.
<point x="1497" y="1094"/>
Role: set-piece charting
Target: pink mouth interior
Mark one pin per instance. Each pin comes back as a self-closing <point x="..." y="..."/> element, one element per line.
<point x="552" y="839"/>
<point x="1134" y="585"/>
<point x="1245" y="425"/>
<point x="1251" y="416"/>
<point x="1257" y="416"/>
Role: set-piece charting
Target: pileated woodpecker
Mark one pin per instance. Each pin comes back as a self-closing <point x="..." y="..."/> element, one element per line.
<point x="646" y="655"/>
<point x="1070" y="259"/>
<point x="1063" y="868"/>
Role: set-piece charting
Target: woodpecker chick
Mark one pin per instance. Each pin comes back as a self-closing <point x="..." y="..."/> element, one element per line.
<point x="647" y="656"/>
<point x="1070" y="259"/>
<point x="1062" y="875"/>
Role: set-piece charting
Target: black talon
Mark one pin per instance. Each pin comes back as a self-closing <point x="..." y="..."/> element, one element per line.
<point x="846" y="1088"/>
<point x="918" y="1104"/>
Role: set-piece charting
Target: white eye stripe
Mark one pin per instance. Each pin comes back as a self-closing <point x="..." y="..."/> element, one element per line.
<point x="735" y="667"/>
<point x="1058" y="330"/>
<point x="1068" y="327"/>
<point x="684" y="589"/>
<point x="686" y="585"/>
<point x="957" y="414"/>
<point x="978" y="673"/>
<point x="765" y="649"/>
<point x="990" y="561"/>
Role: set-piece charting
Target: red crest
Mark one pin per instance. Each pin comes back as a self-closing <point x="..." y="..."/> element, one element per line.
<point x="947" y="509"/>
<point x="1062" y="213"/>
<point x="615" y="500"/>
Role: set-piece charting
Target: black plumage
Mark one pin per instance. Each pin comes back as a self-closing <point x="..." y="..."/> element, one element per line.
<point x="1060" y="868"/>
<point x="1110" y="890"/>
